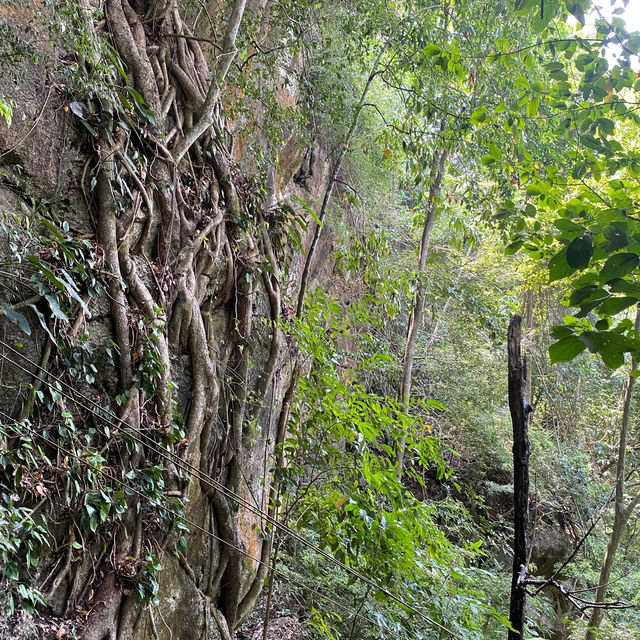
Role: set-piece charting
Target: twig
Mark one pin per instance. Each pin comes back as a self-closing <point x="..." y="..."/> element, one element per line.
<point x="577" y="547"/>
<point x="579" y="603"/>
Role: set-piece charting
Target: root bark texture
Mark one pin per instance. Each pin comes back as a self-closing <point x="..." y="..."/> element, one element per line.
<point x="187" y="252"/>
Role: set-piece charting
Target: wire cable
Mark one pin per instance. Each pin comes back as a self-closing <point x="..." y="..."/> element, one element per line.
<point x="204" y="477"/>
<point x="186" y="520"/>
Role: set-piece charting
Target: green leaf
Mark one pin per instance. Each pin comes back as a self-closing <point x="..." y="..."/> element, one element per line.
<point x="590" y="277"/>
<point x="559" y="74"/>
<point x="613" y="306"/>
<point x="6" y="110"/>
<point x="16" y="317"/>
<point x="11" y="571"/>
<point x="523" y="6"/>
<point x="55" y="307"/>
<point x="494" y="150"/>
<point x="611" y="356"/>
<point x="561" y="331"/>
<point x="559" y="268"/>
<point x="579" y="252"/>
<point x="607" y="216"/>
<point x="512" y="248"/>
<point x="117" y="62"/>
<point x="568" y="225"/>
<point x="52" y="227"/>
<point x="88" y="127"/>
<point x="104" y="510"/>
<point x="589" y="305"/>
<point x="73" y="292"/>
<point x="43" y="322"/>
<point x="566" y="349"/>
<point x="533" y="106"/>
<point x="432" y="50"/>
<point x="536" y="189"/>
<point x="576" y="11"/>
<point x="537" y="86"/>
<point x="47" y="273"/>
<point x="143" y="108"/>
<point x="590" y="142"/>
<point x="605" y="126"/>
<point x="308" y="209"/>
<point x="633" y="43"/>
<point x="479" y="115"/>
<point x="616" y="238"/>
<point x="618" y="265"/>
<point x="593" y="340"/>
<point x="624" y="286"/>
<point x="579" y="295"/>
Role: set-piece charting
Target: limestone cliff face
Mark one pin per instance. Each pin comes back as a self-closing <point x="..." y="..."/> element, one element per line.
<point x="172" y="338"/>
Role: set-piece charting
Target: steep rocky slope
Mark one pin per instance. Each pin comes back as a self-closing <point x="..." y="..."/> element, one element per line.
<point x="148" y="267"/>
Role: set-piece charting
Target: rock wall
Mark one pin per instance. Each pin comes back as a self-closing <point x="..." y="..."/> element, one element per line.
<point x="182" y="326"/>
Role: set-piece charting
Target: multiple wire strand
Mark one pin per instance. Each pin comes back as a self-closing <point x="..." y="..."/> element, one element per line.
<point x="185" y="520"/>
<point x="192" y="471"/>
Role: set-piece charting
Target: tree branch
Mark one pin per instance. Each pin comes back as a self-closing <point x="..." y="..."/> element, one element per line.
<point x="223" y="65"/>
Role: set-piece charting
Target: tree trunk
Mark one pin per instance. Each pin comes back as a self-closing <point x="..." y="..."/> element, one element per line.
<point x="335" y="170"/>
<point x="188" y="256"/>
<point x="438" y="165"/>
<point x="521" y="450"/>
<point x="621" y="513"/>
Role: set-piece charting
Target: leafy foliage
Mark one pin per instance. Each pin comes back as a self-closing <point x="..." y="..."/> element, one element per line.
<point x="535" y="128"/>
<point x="339" y="481"/>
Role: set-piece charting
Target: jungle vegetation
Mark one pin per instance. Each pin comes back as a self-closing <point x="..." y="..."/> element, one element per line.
<point x="258" y="260"/>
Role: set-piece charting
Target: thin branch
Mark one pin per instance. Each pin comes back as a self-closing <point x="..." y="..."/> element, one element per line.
<point x="580" y="543"/>
<point x="223" y="65"/>
<point x="579" y="603"/>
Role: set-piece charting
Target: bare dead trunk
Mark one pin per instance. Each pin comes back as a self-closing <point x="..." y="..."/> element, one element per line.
<point x="520" y="410"/>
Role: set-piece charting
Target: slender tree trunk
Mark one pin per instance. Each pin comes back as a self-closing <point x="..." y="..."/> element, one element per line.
<point x="621" y="514"/>
<point x="521" y="451"/>
<point x="304" y="280"/>
<point x="438" y="164"/>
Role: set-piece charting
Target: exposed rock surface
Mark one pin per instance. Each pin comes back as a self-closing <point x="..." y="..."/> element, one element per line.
<point x="213" y="313"/>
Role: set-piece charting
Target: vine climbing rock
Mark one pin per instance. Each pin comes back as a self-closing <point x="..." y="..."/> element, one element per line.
<point x="145" y="265"/>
